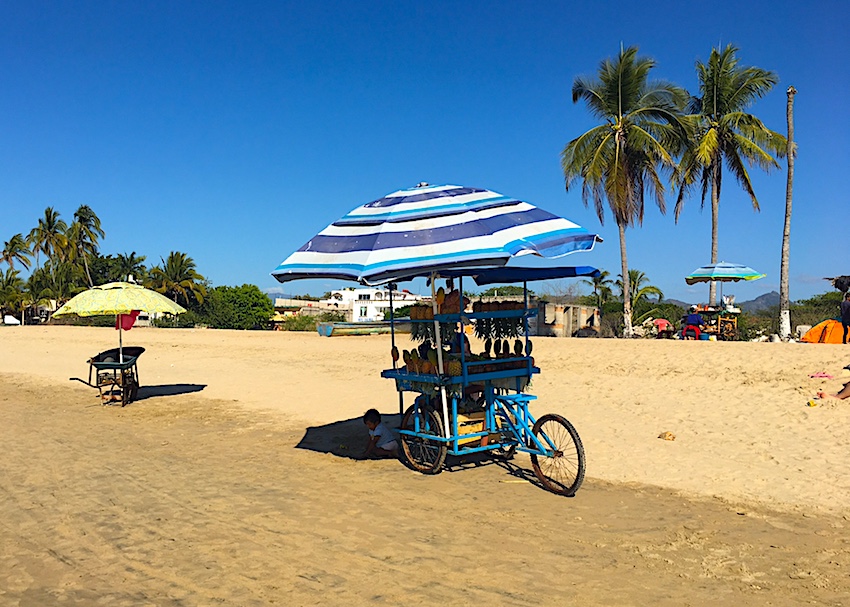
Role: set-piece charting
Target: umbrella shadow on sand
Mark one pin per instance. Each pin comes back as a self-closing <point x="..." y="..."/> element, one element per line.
<point x="167" y="390"/>
<point x="346" y="438"/>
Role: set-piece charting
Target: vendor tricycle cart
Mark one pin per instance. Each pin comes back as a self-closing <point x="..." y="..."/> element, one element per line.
<point x="469" y="403"/>
<point x="464" y="403"/>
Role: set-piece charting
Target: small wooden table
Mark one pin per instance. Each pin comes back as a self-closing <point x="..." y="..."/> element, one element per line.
<point x="720" y="322"/>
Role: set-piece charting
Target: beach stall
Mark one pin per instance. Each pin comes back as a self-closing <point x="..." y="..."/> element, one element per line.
<point x="464" y="403"/>
<point x="722" y="321"/>
<point x="115" y="372"/>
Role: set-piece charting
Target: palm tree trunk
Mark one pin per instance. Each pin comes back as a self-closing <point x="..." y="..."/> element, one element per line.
<point x="784" y="300"/>
<point x="715" y="206"/>
<point x="627" y="303"/>
<point x="88" y="274"/>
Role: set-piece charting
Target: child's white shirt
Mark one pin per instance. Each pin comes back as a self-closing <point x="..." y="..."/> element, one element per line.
<point x="384" y="434"/>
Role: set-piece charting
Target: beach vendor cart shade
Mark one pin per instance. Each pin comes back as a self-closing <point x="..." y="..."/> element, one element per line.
<point x="124" y="300"/>
<point x="722" y="272"/>
<point x="118" y="298"/>
<point x="420" y="230"/>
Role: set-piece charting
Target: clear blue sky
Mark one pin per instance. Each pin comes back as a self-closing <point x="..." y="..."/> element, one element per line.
<point x="234" y="131"/>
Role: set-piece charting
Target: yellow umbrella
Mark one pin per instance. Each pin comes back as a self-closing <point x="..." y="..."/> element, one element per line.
<point x="118" y="298"/>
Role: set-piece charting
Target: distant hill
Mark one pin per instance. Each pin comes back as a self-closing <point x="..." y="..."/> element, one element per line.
<point x="762" y="302"/>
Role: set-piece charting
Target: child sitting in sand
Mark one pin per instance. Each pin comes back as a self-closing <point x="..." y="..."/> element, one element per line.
<point x="841" y="394"/>
<point x="382" y="442"/>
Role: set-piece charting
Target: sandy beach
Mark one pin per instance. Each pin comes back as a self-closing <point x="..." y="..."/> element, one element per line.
<point x="230" y="481"/>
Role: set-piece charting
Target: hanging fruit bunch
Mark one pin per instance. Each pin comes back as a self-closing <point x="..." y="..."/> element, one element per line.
<point x="419" y="331"/>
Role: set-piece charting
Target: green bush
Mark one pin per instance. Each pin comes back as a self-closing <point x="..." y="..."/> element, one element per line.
<point x="331" y="317"/>
<point x="299" y="323"/>
<point x="183" y="321"/>
<point x="753" y="326"/>
<point x="85" y="321"/>
<point x="399" y="313"/>
<point x="244" y="307"/>
<point x="815" y="310"/>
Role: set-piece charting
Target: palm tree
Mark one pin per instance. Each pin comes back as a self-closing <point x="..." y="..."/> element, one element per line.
<point x="790" y="152"/>
<point x="178" y="279"/>
<point x="84" y="234"/>
<point x="724" y="132"/>
<point x="11" y="290"/>
<point x="15" y="249"/>
<point x="130" y="265"/>
<point x="638" y="289"/>
<point x="620" y="160"/>
<point x="48" y="236"/>
<point x="32" y="292"/>
<point x="57" y="281"/>
<point x="601" y="285"/>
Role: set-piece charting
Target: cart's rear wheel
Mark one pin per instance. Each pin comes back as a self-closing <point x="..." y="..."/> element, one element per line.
<point x="562" y="472"/>
<point x="423" y="454"/>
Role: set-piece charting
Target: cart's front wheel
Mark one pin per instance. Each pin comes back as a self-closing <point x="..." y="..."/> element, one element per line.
<point x="424" y="454"/>
<point x="561" y="472"/>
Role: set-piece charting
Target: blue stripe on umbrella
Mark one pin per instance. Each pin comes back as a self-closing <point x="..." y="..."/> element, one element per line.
<point x="386" y="240"/>
<point x="353" y="219"/>
<point x="555" y="244"/>
<point x="388" y="201"/>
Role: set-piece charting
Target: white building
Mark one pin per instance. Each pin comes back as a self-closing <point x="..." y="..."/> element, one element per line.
<point x="367" y="304"/>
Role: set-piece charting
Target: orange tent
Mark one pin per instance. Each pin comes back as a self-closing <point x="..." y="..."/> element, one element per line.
<point x="828" y="332"/>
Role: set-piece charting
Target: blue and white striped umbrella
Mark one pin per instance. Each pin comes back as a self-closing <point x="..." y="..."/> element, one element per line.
<point x="425" y="229"/>
<point x="722" y="272"/>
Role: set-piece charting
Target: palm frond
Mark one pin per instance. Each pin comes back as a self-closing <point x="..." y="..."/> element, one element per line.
<point x="754" y="154"/>
<point x="736" y="166"/>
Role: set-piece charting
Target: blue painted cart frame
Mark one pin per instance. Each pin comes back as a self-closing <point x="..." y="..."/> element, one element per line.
<point x="431" y="428"/>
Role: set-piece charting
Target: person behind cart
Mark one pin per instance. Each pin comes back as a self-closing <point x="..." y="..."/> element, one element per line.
<point x="693" y="324"/>
<point x="845" y="316"/>
<point x="382" y="442"/>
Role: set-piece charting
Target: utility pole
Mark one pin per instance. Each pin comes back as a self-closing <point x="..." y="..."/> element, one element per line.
<point x="791" y="150"/>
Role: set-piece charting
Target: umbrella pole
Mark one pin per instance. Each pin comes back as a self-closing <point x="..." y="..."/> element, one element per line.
<point x="439" y="346"/>
<point x="120" y="342"/>
<point x="395" y="364"/>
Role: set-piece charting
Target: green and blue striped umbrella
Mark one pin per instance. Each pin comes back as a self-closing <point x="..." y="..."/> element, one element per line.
<point x="722" y="272"/>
